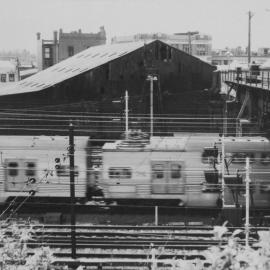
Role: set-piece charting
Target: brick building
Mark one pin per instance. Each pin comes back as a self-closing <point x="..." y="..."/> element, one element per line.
<point x="64" y="45"/>
<point x="9" y="71"/>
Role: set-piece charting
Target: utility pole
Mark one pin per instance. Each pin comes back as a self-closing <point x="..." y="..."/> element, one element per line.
<point x="250" y="15"/>
<point x="72" y="191"/>
<point x="225" y="119"/>
<point x="126" y="114"/>
<point x="223" y="170"/>
<point x="189" y="43"/>
<point x="247" y="202"/>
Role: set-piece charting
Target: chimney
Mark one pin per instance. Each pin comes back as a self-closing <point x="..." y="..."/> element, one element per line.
<point x="38" y="36"/>
<point x="102" y="32"/>
<point x="55" y="37"/>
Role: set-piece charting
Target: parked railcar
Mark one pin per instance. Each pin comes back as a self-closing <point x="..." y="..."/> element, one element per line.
<point x="40" y="166"/>
<point x="161" y="170"/>
<point x="237" y="149"/>
<point x="186" y="169"/>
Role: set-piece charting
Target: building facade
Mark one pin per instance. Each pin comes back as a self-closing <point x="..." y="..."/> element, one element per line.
<point x="194" y="43"/>
<point x="64" y="45"/>
<point x="9" y="71"/>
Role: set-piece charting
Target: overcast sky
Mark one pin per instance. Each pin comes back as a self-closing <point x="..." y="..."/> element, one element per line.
<point x="225" y="20"/>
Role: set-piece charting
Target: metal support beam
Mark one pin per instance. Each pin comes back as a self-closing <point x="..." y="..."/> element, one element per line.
<point x="244" y="104"/>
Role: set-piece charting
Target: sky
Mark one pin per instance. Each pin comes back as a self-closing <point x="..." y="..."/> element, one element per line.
<point x="225" y="20"/>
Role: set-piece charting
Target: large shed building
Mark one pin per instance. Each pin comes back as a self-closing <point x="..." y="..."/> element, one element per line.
<point x="93" y="79"/>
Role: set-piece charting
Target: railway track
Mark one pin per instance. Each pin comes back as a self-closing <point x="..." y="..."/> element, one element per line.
<point x="128" y="244"/>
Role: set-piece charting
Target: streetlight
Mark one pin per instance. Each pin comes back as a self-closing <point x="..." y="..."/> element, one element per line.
<point x="151" y="78"/>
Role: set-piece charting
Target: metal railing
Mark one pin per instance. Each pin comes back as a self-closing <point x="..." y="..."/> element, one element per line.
<point x="259" y="79"/>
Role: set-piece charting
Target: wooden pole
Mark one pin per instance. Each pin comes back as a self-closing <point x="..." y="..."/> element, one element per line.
<point x="247" y="202"/>
<point x="126" y="114"/>
<point x="156" y="215"/>
<point x="250" y="15"/>
<point x="222" y="171"/>
<point x="72" y="191"/>
<point x="151" y="106"/>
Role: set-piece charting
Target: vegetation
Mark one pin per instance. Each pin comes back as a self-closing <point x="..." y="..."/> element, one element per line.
<point x="14" y="253"/>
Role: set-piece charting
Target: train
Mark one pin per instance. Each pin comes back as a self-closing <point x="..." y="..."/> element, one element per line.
<point x="37" y="167"/>
<point x="185" y="169"/>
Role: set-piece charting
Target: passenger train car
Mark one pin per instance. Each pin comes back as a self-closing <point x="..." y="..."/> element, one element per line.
<point x="161" y="170"/>
<point x="237" y="149"/>
<point x="184" y="169"/>
<point x="39" y="166"/>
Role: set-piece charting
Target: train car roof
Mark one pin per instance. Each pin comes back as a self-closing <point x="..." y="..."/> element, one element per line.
<point x="179" y="142"/>
<point x="154" y="144"/>
<point x="41" y="142"/>
<point x="244" y="144"/>
<point x="245" y="139"/>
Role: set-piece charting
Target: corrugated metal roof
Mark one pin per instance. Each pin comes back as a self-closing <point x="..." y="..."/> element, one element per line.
<point x="71" y="67"/>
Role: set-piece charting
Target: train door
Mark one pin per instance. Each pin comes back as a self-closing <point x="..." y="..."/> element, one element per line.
<point x="20" y="174"/>
<point x="159" y="177"/>
<point x="167" y="177"/>
<point x="175" y="178"/>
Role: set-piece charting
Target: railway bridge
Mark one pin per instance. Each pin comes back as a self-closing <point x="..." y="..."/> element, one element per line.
<point x="246" y="96"/>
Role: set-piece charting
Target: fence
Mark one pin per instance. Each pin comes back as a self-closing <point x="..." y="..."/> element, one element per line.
<point x="258" y="78"/>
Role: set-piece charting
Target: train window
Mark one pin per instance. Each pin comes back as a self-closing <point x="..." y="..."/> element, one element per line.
<point x="63" y="170"/>
<point x="13" y="168"/>
<point x="127" y="173"/>
<point x="30" y="169"/>
<point x="158" y="171"/>
<point x="265" y="158"/>
<point x="241" y="157"/>
<point x="120" y="172"/>
<point x="175" y="171"/>
<point x="264" y="187"/>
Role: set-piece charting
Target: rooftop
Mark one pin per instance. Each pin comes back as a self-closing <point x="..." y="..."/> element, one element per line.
<point x="71" y="67"/>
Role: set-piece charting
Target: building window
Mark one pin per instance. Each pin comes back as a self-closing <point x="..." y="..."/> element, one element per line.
<point x="47" y="52"/>
<point x="201" y="53"/>
<point x="70" y="51"/>
<point x="11" y="77"/>
<point x="163" y="52"/>
<point x="3" y="77"/>
<point x="265" y="158"/>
